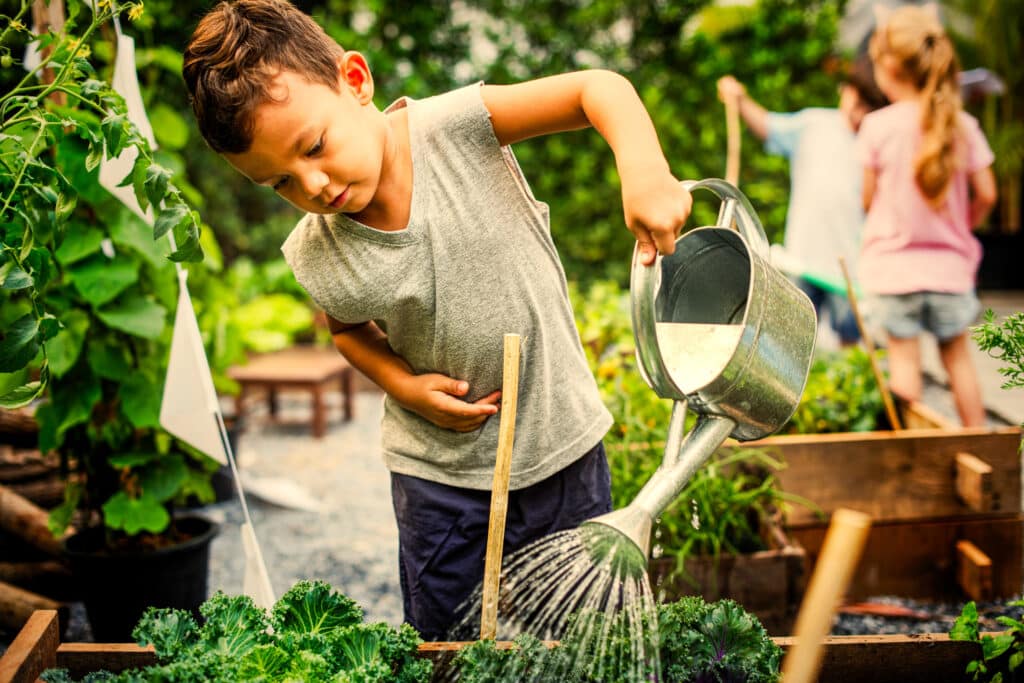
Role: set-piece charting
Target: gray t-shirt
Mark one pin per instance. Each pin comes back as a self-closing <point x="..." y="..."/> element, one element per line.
<point x="476" y="261"/>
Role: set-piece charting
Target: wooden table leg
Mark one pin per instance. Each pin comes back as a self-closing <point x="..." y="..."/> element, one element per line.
<point x="272" y="401"/>
<point x="346" y="392"/>
<point x="319" y="412"/>
<point x="240" y="402"/>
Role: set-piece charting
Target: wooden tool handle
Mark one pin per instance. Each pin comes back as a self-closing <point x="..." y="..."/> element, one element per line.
<point x="499" y="488"/>
<point x="883" y="386"/>
<point x="840" y="552"/>
<point x="732" y="131"/>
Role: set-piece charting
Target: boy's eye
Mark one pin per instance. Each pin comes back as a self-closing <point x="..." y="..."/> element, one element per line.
<point x="317" y="146"/>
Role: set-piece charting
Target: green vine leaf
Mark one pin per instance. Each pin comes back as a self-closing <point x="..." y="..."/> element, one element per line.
<point x="100" y="280"/>
<point x="20" y="343"/>
<point x="137" y="316"/>
<point x="21" y="396"/>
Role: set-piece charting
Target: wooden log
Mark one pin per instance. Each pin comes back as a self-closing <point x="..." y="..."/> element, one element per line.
<point x="893" y="475"/>
<point x="974" y="482"/>
<point x="34" y="649"/>
<point x="48" y="578"/>
<point x="917" y="559"/>
<point x="973" y="571"/>
<point x="27" y="521"/>
<point x="18" y="604"/>
<point x="46" y="493"/>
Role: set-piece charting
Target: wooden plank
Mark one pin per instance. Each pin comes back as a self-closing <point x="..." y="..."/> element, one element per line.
<point x="33" y="650"/>
<point x="917" y="559"/>
<point x="920" y="416"/>
<point x="921" y="658"/>
<point x="82" y="658"/>
<point x="973" y="571"/>
<point x="974" y="482"/>
<point x="893" y="475"/>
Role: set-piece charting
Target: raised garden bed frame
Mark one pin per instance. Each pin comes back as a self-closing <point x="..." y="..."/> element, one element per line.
<point x="945" y="502"/>
<point x="927" y="658"/>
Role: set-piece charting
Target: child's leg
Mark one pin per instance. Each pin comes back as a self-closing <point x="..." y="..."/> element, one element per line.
<point x="905" y="367"/>
<point x="956" y="357"/>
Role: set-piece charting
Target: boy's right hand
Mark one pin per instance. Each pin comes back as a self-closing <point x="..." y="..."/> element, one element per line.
<point x="435" y="397"/>
<point x="730" y="89"/>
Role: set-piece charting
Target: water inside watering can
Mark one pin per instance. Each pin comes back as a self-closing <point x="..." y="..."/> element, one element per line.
<point x="696" y="353"/>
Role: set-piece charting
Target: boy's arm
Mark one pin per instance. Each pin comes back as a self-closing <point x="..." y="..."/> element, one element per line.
<point x="655" y="204"/>
<point x="431" y="395"/>
<point x="752" y="113"/>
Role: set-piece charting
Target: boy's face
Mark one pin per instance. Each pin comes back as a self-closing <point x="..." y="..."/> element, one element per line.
<point x="320" y="149"/>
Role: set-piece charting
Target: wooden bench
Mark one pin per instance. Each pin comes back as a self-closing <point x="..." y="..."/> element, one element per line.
<point x="303" y="368"/>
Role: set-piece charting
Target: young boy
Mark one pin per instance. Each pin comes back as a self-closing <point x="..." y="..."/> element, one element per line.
<point x="424" y="245"/>
<point x="825" y="213"/>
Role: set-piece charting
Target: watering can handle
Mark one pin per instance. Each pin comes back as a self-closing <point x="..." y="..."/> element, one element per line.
<point x="746" y="219"/>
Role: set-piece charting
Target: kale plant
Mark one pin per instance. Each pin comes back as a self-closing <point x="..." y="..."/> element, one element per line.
<point x="700" y="642"/>
<point x="716" y="642"/>
<point x="313" y="633"/>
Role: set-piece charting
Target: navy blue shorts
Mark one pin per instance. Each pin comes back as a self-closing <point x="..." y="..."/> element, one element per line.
<point x="442" y="532"/>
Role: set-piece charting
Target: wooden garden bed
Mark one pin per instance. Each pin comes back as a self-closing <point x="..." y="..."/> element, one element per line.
<point x="929" y="658"/>
<point x="945" y="500"/>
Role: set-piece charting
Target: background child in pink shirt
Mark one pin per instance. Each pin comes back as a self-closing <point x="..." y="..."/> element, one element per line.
<point x="927" y="182"/>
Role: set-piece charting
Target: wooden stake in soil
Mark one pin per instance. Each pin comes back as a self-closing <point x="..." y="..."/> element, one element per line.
<point x="890" y="407"/>
<point x="499" y="488"/>
<point x="840" y="552"/>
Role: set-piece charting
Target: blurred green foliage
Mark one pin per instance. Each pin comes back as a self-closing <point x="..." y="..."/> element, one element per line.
<point x="672" y="52"/>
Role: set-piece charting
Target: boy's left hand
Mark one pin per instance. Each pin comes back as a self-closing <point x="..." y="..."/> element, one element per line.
<point x="656" y="207"/>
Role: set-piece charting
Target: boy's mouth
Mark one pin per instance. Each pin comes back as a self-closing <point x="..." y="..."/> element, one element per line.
<point x="339" y="201"/>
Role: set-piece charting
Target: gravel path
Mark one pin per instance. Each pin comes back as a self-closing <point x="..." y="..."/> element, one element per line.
<point x="352" y="542"/>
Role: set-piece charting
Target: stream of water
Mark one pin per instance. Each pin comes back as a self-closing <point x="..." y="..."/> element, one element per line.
<point x="586" y="586"/>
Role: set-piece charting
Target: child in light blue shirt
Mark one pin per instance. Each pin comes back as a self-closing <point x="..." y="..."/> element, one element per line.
<point x="825" y="214"/>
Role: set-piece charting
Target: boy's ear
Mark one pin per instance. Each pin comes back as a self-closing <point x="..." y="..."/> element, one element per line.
<point x="354" y="74"/>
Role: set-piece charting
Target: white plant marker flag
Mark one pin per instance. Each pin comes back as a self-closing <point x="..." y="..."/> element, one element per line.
<point x="190" y="406"/>
<point x="190" y="409"/>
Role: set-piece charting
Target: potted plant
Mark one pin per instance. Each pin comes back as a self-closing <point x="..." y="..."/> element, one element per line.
<point x="85" y="312"/>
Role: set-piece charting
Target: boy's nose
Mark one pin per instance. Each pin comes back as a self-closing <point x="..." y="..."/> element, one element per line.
<point x="313" y="183"/>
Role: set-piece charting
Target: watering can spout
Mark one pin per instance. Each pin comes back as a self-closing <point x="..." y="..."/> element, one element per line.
<point x="636" y="519"/>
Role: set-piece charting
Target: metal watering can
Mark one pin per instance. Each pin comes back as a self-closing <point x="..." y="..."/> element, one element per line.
<point x="717" y="328"/>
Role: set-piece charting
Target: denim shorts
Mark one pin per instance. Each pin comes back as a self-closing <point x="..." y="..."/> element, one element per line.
<point x="442" y="533"/>
<point x="945" y="314"/>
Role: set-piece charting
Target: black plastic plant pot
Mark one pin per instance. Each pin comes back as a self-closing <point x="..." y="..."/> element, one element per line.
<point x="118" y="587"/>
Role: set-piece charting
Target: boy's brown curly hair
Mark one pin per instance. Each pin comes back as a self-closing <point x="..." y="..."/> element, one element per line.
<point x="233" y="56"/>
